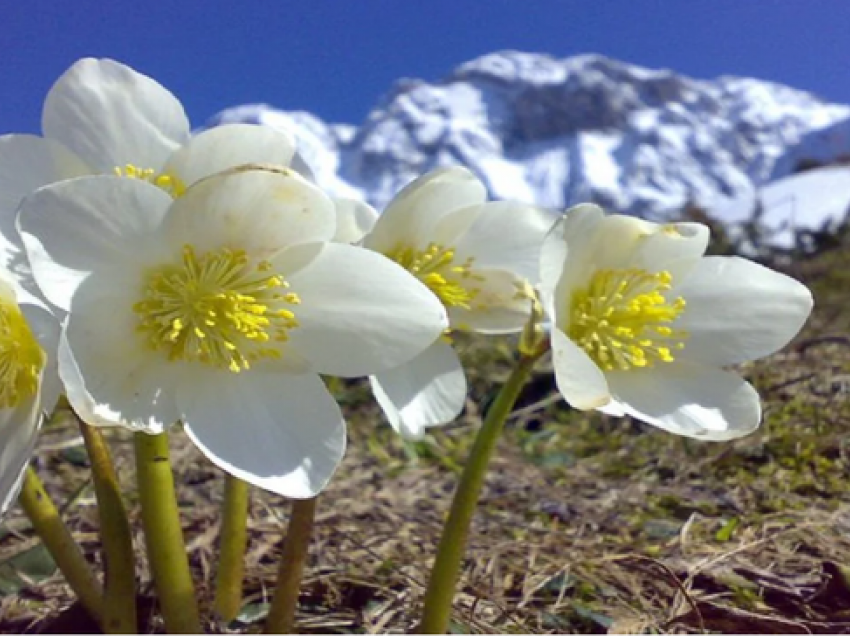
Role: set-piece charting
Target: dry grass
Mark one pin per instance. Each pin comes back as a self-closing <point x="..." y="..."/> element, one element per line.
<point x="587" y="524"/>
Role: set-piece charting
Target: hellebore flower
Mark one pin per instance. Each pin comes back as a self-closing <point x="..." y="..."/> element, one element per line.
<point x="478" y="259"/>
<point x="28" y="383"/>
<point x="220" y="308"/>
<point x="102" y="117"/>
<point x="644" y="324"/>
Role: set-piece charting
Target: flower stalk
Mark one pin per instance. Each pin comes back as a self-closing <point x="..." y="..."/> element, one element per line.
<point x="164" y="535"/>
<point x="119" y="608"/>
<point x="281" y="618"/>
<point x="234" y="538"/>
<point x="56" y="537"/>
<point x="436" y="612"/>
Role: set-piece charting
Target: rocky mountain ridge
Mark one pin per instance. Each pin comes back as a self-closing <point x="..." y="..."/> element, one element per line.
<point x="586" y="128"/>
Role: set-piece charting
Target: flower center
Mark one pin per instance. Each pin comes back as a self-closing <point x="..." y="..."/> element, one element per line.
<point x="217" y="308"/>
<point x="622" y="319"/>
<point x="168" y="182"/>
<point x="21" y="357"/>
<point x="435" y="266"/>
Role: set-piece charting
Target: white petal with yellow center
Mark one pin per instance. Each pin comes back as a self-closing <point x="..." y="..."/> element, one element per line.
<point x="220" y="307"/>
<point x="624" y="320"/>
<point x="22" y="364"/>
<point x="413" y="213"/>
<point x="168" y="182"/>
<point x="595" y="241"/>
<point x="499" y="303"/>
<point x="224" y="307"/>
<point x="439" y="269"/>
<point x="21" y="357"/>
<point x="642" y="321"/>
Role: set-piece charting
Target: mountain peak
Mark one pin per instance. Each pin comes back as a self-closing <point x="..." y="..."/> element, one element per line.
<point x="584" y="128"/>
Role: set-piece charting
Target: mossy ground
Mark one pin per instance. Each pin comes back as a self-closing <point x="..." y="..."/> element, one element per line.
<point x="586" y="524"/>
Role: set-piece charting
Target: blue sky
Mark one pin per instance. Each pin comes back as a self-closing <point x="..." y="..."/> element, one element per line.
<point x="336" y="57"/>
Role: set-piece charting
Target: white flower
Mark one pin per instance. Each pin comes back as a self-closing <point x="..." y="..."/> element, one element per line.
<point x="220" y="308"/>
<point x="477" y="258"/>
<point x="28" y="384"/>
<point x="102" y="117"/>
<point x="644" y="324"/>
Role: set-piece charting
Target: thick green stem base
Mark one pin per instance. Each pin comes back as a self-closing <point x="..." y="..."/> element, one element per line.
<point x="164" y="535"/>
<point x="281" y="618"/>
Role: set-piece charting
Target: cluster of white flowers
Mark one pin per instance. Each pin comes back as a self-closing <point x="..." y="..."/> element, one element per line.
<point x="167" y="278"/>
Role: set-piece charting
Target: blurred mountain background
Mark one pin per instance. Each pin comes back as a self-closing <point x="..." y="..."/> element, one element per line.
<point x="556" y="132"/>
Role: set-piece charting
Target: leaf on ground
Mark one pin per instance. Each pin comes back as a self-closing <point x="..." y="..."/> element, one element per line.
<point x="725" y="533"/>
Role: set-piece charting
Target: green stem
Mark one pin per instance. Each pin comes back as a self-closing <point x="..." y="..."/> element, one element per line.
<point x="56" y="537"/>
<point x="281" y="618"/>
<point x="441" y="586"/>
<point x="234" y="538"/>
<point x="164" y="535"/>
<point x="119" y="611"/>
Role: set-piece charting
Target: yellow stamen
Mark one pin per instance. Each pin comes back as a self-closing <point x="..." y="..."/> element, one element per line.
<point x="621" y="319"/>
<point x="168" y="182"/>
<point x="21" y="357"/>
<point x="217" y="308"/>
<point x="435" y="267"/>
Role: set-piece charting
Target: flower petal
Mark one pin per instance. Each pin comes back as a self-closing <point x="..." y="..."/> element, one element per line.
<point x="111" y="116"/>
<point x="499" y="304"/>
<point x="579" y="380"/>
<point x="738" y="310"/>
<point x="553" y="261"/>
<point x="412" y="214"/>
<point x="430" y="390"/>
<point x="28" y="162"/>
<point x="228" y="146"/>
<point x="507" y="235"/>
<point x="259" y="211"/>
<point x="18" y="430"/>
<point x="689" y="399"/>
<point x="111" y="376"/>
<point x="283" y="433"/>
<point x="360" y="313"/>
<point x="564" y="255"/>
<point x="354" y="219"/>
<point x="45" y="328"/>
<point x="589" y="233"/>
<point x="74" y="227"/>
<point x="670" y="245"/>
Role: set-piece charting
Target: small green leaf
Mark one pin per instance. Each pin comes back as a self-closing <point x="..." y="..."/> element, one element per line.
<point x="725" y="533"/>
<point x="252" y="613"/>
<point x="75" y="455"/>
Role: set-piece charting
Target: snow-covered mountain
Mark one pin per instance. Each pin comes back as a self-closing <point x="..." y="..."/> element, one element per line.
<point x="560" y="131"/>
